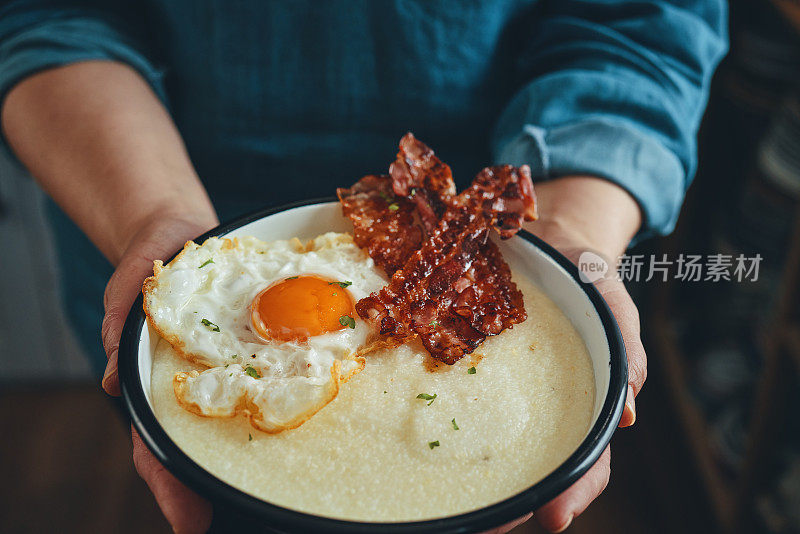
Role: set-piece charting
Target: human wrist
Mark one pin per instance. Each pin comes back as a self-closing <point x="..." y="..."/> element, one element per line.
<point x="586" y="211"/>
<point x="161" y="232"/>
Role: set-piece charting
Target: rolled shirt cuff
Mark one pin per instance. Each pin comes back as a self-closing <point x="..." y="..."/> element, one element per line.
<point x="611" y="150"/>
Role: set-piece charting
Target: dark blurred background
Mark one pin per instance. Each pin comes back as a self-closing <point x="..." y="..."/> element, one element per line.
<point x="716" y="447"/>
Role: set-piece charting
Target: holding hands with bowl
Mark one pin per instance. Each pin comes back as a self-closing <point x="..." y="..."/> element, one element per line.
<point x="602" y="134"/>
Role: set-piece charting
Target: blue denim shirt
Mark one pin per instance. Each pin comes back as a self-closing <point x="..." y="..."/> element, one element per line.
<point x="279" y="101"/>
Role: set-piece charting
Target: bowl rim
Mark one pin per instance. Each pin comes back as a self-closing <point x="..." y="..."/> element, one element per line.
<point x="196" y="477"/>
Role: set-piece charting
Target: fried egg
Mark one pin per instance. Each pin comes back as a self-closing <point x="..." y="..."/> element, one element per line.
<point x="274" y="323"/>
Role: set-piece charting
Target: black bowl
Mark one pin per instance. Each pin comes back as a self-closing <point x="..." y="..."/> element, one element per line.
<point x="232" y="502"/>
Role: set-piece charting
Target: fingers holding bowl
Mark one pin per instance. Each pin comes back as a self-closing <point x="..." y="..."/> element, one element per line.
<point x="627" y="315"/>
<point x="186" y="511"/>
<point x="121" y="291"/>
<point x="558" y="514"/>
<point x="157" y="240"/>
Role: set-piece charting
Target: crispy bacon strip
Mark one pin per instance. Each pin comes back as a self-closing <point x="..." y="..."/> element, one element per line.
<point x="488" y="304"/>
<point x="384" y="224"/>
<point x="505" y="196"/>
<point x="490" y="301"/>
<point x="450" y="285"/>
<point x="420" y="294"/>
<point x="456" y="289"/>
<point x="392" y="216"/>
<point x="417" y="174"/>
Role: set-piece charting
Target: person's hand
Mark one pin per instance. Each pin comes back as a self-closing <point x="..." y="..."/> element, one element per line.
<point x="156" y="240"/>
<point x="579" y="214"/>
<point x="557" y="515"/>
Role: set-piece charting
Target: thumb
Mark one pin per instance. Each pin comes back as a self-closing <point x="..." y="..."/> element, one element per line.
<point x="120" y="293"/>
<point x="627" y="316"/>
<point x="157" y="240"/>
<point x="185" y="510"/>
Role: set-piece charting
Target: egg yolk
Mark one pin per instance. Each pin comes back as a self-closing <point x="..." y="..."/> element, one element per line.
<point x="300" y="307"/>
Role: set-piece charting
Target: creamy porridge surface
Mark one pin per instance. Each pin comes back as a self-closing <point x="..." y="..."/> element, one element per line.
<point x="368" y="455"/>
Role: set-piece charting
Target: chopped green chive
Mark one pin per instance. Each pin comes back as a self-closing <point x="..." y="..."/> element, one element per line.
<point x="249" y="437"/>
<point x="341" y="284"/>
<point x="346" y="320"/>
<point x="434" y="323"/>
<point x="429" y="398"/>
<point x="293" y="278"/>
<point x="455" y="425"/>
<point x="384" y="391"/>
<point x="210" y="260"/>
<point x="433" y="444"/>
<point x="393" y="207"/>
<point x="235" y="356"/>
<point x="472" y="370"/>
<point x="252" y="372"/>
<point x="211" y="326"/>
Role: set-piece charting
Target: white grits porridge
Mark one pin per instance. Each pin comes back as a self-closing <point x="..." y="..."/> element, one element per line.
<point x="379" y="453"/>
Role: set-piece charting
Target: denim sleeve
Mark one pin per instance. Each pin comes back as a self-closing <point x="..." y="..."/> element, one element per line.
<point x="37" y="35"/>
<point x="616" y="89"/>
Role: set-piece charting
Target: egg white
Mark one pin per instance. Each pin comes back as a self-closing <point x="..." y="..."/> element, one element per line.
<point x="200" y="303"/>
